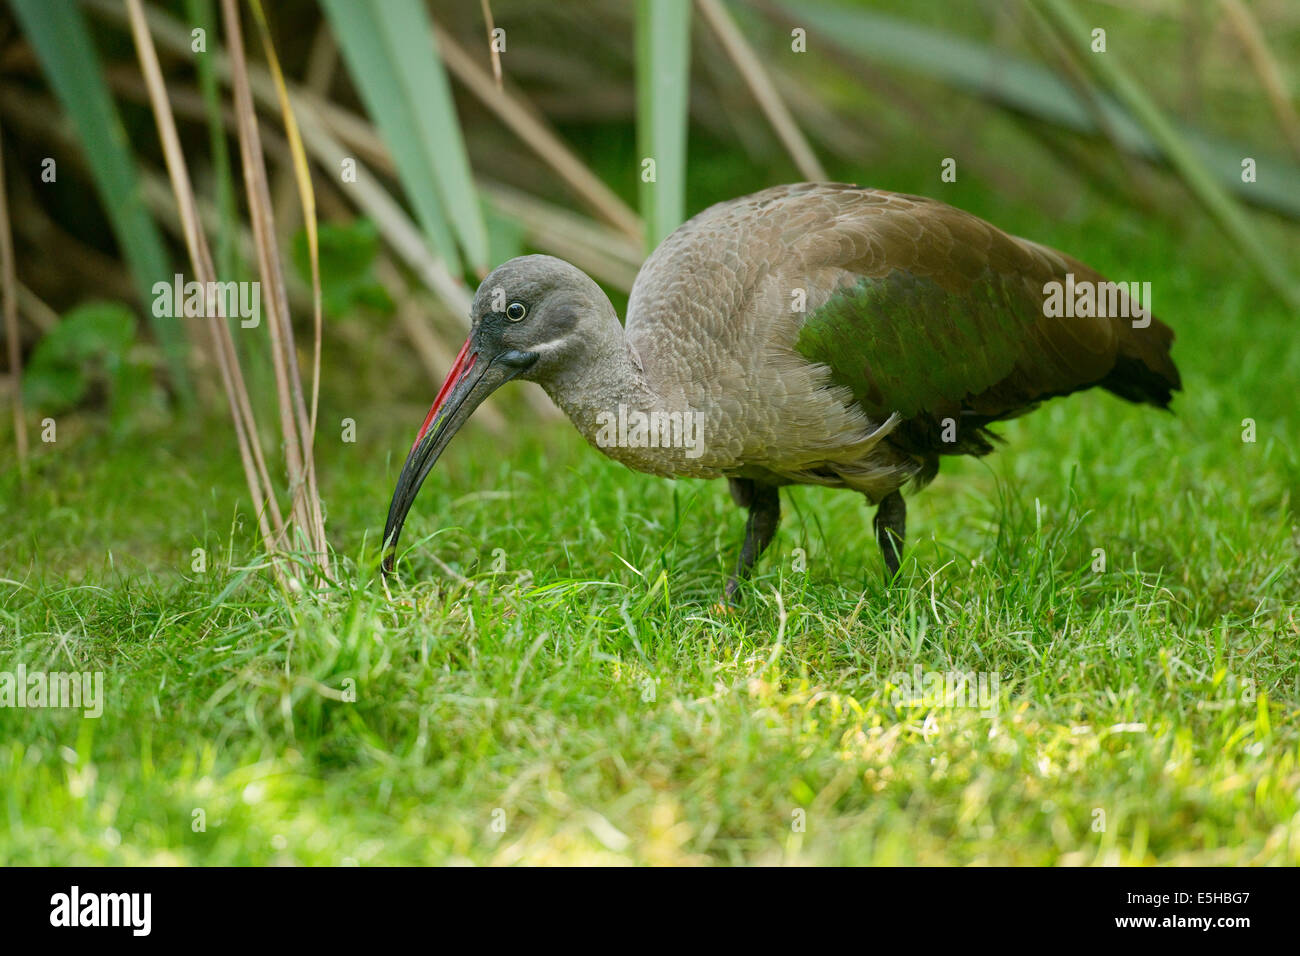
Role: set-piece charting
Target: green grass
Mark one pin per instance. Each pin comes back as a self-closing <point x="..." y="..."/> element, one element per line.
<point x="584" y="685"/>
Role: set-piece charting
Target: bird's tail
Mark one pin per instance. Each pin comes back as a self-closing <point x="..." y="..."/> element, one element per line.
<point x="1147" y="375"/>
<point x="1143" y="371"/>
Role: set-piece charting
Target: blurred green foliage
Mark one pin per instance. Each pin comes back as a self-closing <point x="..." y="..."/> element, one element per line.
<point x="93" y="348"/>
<point x="347" y="259"/>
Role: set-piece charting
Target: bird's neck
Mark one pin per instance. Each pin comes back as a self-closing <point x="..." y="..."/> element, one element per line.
<point x="610" y="374"/>
<point x="611" y="400"/>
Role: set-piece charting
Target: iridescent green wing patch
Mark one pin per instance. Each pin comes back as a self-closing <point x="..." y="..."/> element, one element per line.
<point x="905" y="344"/>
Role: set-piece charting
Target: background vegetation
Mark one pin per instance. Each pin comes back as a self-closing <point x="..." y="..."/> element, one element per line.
<point x="549" y="682"/>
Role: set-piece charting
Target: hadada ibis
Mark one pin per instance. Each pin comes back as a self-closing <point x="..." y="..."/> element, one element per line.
<point x="817" y="333"/>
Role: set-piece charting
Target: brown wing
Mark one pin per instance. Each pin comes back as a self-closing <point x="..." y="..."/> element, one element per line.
<point x="934" y="314"/>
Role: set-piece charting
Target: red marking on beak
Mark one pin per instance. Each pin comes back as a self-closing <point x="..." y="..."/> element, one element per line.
<point x="459" y="369"/>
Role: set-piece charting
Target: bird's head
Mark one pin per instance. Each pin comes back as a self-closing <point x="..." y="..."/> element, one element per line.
<point x="531" y="318"/>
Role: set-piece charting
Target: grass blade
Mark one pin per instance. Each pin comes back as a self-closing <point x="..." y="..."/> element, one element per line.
<point x="764" y="90"/>
<point x="1266" y="67"/>
<point x="492" y="47"/>
<point x="539" y="137"/>
<point x="663" y="64"/>
<point x="374" y="76"/>
<point x="305" y="500"/>
<point x="202" y="12"/>
<point x="302" y="174"/>
<point x="393" y="59"/>
<point x="265" y="506"/>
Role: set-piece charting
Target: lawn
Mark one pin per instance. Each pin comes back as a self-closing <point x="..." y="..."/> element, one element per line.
<point x="551" y="681"/>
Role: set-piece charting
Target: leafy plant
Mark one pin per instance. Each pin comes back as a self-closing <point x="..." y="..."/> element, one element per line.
<point x="390" y="52"/>
<point x="94" y="347"/>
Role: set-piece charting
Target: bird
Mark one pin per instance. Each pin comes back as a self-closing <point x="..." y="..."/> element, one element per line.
<point x="815" y="333"/>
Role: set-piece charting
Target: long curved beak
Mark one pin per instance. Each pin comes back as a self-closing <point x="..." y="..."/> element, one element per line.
<point x="469" y="382"/>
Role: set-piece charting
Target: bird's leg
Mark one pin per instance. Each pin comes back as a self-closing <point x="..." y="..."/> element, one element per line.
<point x="764" y="504"/>
<point x="891" y="530"/>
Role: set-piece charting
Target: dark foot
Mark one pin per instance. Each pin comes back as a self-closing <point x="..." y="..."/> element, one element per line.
<point x="764" y="504"/>
<point x="891" y="530"/>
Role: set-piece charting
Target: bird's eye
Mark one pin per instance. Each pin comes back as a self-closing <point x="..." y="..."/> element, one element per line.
<point x="515" y="311"/>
